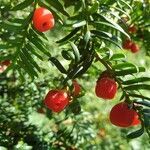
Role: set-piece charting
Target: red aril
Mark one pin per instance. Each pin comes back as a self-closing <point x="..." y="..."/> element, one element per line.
<point x="121" y="115"/>
<point x="43" y="19"/>
<point x="106" y="88"/>
<point x="56" y="100"/>
<point x="76" y="88"/>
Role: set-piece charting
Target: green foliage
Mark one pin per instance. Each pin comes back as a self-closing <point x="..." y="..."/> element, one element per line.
<point x="87" y="40"/>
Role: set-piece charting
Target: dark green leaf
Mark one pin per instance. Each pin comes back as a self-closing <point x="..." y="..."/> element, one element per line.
<point x="138" y="87"/>
<point x="118" y="56"/>
<point x="22" y="5"/>
<point x="122" y="11"/>
<point x="85" y="64"/>
<point x="122" y="96"/>
<point x="87" y="38"/>
<point x="115" y="25"/>
<point x="22" y="65"/>
<point x="39" y="45"/>
<point x="68" y="55"/>
<point x="75" y="51"/>
<point x="135" y="134"/>
<point x="41" y="34"/>
<point x="94" y="8"/>
<point x="137" y="80"/>
<point x="124" y="65"/>
<point x="35" y="35"/>
<point x="11" y="26"/>
<point x="27" y="21"/>
<point x="58" y="65"/>
<point x="16" y="20"/>
<point x="101" y="23"/>
<point x="7" y="57"/>
<point x="139" y="96"/>
<point x="69" y="36"/>
<point x="28" y="65"/>
<point x="28" y="56"/>
<point x="146" y="119"/>
<point x="143" y="102"/>
<point x="126" y="3"/>
<point x="58" y="6"/>
<point x="107" y="36"/>
<point x="129" y="71"/>
<point x="5" y="46"/>
<point x="33" y="51"/>
<point x="145" y="110"/>
<point x="79" y="24"/>
<point x="74" y="72"/>
<point x="75" y="107"/>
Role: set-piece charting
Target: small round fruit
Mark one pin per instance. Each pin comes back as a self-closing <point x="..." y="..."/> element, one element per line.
<point x="76" y="88"/>
<point x="134" y="48"/>
<point x="106" y="88"/>
<point x="132" y="29"/>
<point x="56" y="100"/>
<point x="43" y="19"/>
<point x="122" y="116"/>
<point x="6" y="63"/>
<point x="127" y="44"/>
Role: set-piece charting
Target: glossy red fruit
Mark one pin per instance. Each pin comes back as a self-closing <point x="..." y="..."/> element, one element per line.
<point x="132" y="29"/>
<point x="43" y="19"/>
<point x="106" y="88"/>
<point x="76" y="88"/>
<point x="122" y="116"/>
<point x="56" y="100"/>
<point x="134" y="48"/>
<point x="127" y="44"/>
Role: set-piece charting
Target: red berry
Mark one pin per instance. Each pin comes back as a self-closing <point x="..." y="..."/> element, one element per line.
<point x="106" y="88"/>
<point x="43" y="19"/>
<point x="127" y="44"/>
<point x="121" y="115"/>
<point x="6" y="63"/>
<point x="56" y="100"/>
<point x="76" y="88"/>
<point x="134" y="48"/>
<point x="136" y="120"/>
<point x="132" y="29"/>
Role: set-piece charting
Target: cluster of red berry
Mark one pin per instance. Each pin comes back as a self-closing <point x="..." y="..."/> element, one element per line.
<point x="130" y="45"/>
<point x="106" y="87"/>
<point x="120" y="115"/>
<point x="57" y="100"/>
